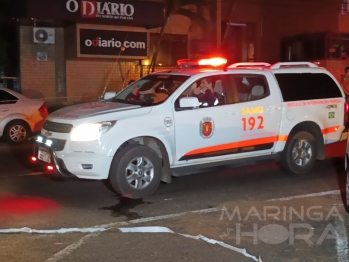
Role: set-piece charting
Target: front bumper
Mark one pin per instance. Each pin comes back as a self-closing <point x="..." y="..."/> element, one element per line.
<point x="58" y="165"/>
<point x="75" y="164"/>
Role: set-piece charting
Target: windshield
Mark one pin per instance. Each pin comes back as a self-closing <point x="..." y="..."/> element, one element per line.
<point x="150" y="90"/>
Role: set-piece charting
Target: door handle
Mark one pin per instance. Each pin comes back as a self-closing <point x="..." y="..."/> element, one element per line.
<point x="273" y="108"/>
<point x="229" y="114"/>
<point x="4" y="109"/>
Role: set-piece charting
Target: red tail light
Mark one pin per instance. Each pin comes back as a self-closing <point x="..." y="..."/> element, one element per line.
<point x="33" y="159"/>
<point x="43" y="109"/>
<point x="49" y="167"/>
<point x="346" y="107"/>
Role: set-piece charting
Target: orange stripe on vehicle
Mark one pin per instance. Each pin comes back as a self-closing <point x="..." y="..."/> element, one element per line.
<point x="282" y="138"/>
<point x="330" y="130"/>
<point x="235" y="145"/>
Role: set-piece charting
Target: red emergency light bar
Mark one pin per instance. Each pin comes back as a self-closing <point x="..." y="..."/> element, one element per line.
<point x="210" y="62"/>
<point x="215" y="61"/>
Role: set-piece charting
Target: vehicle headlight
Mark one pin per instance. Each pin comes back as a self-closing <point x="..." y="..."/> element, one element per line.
<point x="91" y="131"/>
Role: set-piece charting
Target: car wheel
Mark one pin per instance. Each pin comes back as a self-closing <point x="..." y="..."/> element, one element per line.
<point x="17" y="132"/>
<point x="135" y="171"/>
<point x="299" y="155"/>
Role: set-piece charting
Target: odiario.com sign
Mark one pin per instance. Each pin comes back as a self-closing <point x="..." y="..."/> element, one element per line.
<point x="110" y="43"/>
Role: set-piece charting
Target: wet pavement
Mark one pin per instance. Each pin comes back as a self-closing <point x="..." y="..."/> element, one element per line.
<point x="31" y="199"/>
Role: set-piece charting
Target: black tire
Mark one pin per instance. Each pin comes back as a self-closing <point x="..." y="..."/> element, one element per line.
<point x="118" y="173"/>
<point x="19" y="125"/>
<point x="288" y="161"/>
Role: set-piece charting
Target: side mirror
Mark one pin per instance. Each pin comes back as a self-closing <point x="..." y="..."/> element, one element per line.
<point x="189" y="102"/>
<point x="109" y="95"/>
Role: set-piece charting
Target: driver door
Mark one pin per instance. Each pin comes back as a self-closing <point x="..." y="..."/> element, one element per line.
<point x="201" y="132"/>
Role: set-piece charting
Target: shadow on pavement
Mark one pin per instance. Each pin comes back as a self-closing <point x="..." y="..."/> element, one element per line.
<point x="122" y="208"/>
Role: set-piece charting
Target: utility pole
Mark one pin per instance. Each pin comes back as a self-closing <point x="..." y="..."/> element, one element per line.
<point x="232" y="7"/>
<point x="155" y="55"/>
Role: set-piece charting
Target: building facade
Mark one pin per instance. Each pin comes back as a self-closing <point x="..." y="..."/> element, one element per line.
<point x="72" y="50"/>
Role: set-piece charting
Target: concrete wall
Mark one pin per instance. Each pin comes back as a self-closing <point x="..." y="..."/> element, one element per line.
<point x="83" y="79"/>
<point x="41" y="79"/>
<point x="287" y="18"/>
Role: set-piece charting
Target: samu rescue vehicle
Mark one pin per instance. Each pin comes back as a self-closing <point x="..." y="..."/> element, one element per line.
<point x="197" y="117"/>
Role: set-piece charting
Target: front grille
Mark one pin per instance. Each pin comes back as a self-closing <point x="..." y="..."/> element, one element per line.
<point x="57" y="144"/>
<point x="57" y="127"/>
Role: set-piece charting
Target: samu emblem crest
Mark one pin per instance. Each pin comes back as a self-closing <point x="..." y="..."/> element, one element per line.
<point x="206" y="127"/>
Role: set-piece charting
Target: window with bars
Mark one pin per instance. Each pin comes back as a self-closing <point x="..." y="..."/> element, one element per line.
<point x="345" y="6"/>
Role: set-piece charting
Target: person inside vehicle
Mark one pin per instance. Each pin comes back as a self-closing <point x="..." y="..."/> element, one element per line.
<point x="155" y="93"/>
<point x="205" y="92"/>
<point x="134" y="95"/>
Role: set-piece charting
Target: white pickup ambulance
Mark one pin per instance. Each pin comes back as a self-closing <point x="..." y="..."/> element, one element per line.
<point x="182" y="118"/>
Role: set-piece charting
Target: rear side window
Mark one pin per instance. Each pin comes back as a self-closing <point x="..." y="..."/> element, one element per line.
<point x="7" y="98"/>
<point x="307" y="86"/>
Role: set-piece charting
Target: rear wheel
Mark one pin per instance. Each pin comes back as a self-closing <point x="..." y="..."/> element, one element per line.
<point x="17" y="132"/>
<point x="299" y="155"/>
<point x="135" y="171"/>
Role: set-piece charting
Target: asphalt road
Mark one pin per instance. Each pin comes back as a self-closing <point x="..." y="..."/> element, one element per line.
<point x="232" y="206"/>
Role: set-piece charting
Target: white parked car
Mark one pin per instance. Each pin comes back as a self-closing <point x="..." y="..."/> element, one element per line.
<point x="20" y="116"/>
<point x="184" y="118"/>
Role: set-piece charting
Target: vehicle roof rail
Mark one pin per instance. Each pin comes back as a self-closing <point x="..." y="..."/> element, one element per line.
<point x="292" y="65"/>
<point x="248" y="64"/>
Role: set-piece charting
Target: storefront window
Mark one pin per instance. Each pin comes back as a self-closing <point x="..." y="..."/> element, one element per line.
<point x="315" y="47"/>
<point x="300" y="48"/>
<point x="338" y="46"/>
<point x="345" y="6"/>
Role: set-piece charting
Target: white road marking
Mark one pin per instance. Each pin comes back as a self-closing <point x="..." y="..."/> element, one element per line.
<point x="341" y="241"/>
<point x="155" y="229"/>
<point x="341" y="236"/>
<point x="334" y="192"/>
<point x="69" y="249"/>
<point x="149" y="219"/>
<point x="55" y="231"/>
<point x="106" y="226"/>
<point x="29" y="174"/>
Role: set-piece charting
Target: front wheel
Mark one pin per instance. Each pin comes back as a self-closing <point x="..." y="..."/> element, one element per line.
<point x="135" y="171"/>
<point x="299" y="155"/>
